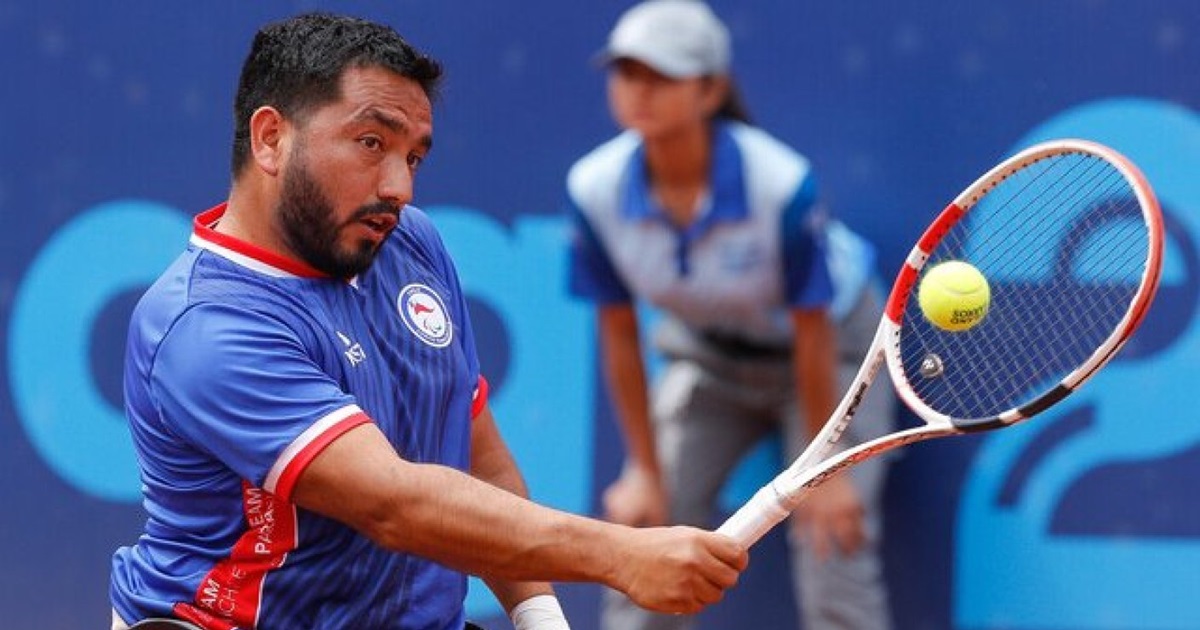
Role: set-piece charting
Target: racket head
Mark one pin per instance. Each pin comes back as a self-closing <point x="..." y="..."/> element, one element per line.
<point x="1069" y="235"/>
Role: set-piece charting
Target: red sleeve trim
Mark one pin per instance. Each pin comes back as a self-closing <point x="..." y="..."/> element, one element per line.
<point x="300" y="454"/>
<point x="480" y="399"/>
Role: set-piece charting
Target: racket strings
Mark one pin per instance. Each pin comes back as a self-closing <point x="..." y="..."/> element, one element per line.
<point x="1092" y="184"/>
<point x="1077" y="317"/>
<point x="1009" y="204"/>
<point x="1063" y="246"/>
<point x="1024" y="221"/>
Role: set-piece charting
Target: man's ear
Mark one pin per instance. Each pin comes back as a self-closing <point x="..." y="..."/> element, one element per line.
<point x="267" y="139"/>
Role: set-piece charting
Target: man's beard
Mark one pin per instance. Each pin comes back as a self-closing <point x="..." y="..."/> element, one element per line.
<point x="306" y="221"/>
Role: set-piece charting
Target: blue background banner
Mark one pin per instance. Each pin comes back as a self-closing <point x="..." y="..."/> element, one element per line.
<point x="116" y="130"/>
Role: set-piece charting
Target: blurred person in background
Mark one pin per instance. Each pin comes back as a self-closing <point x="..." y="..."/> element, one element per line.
<point x="767" y="305"/>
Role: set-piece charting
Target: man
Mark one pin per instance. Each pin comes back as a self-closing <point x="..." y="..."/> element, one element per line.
<point x="304" y="395"/>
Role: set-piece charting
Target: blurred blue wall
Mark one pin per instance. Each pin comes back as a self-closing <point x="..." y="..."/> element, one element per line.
<point x="115" y="130"/>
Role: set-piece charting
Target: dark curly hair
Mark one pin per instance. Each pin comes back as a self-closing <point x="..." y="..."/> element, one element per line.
<point x="296" y="66"/>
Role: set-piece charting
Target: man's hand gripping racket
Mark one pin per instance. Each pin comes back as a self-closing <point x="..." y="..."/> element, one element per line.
<point x="1069" y="237"/>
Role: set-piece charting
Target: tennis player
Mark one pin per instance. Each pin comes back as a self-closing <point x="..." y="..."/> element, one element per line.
<point x="305" y="398"/>
<point x="766" y="302"/>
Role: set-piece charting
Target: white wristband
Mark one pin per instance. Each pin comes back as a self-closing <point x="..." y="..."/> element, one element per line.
<point x="540" y="612"/>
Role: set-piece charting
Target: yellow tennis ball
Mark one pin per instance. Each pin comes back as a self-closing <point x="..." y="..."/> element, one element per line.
<point x="954" y="296"/>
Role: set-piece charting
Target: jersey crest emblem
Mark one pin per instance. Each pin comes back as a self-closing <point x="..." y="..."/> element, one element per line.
<point x="425" y="315"/>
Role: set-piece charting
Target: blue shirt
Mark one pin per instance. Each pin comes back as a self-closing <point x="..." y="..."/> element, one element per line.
<point x="241" y="366"/>
<point x="757" y="249"/>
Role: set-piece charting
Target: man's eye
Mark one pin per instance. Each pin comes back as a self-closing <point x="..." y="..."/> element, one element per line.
<point x="415" y="160"/>
<point x="371" y="142"/>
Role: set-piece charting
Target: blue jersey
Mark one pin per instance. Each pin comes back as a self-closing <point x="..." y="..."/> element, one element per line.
<point x="756" y="249"/>
<point x="241" y="366"/>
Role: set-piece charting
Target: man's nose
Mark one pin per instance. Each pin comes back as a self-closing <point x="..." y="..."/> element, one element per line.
<point x="396" y="182"/>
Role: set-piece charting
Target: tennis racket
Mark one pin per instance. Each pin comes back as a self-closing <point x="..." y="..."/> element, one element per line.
<point x="1069" y="236"/>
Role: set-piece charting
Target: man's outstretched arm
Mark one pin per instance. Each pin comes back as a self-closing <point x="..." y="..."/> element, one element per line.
<point x="472" y="526"/>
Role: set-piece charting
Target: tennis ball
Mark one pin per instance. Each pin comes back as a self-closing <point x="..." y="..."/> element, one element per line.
<point x="954" y="296"/>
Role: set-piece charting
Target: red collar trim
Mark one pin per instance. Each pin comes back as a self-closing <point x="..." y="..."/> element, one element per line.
<point x="243" y="253"/>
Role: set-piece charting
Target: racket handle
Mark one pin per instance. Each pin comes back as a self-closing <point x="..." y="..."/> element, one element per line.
<point x="753" y="520"/>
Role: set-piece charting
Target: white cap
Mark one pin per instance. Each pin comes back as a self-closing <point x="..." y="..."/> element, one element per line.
<point x="678" y="38"/>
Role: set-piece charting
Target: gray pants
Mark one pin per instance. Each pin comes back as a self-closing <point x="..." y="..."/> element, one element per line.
<point x="709" y="411"/>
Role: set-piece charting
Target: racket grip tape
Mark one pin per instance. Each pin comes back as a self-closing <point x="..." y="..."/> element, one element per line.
<point x="753" y="520"/>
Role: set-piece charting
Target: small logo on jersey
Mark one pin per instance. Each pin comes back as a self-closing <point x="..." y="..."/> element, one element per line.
<point x="740" y="258"/>
<point x="425" y="315"/>
<point x="354" y="351"/>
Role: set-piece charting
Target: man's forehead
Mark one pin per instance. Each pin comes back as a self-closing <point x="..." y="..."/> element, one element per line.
<point x="379" y="91"/>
